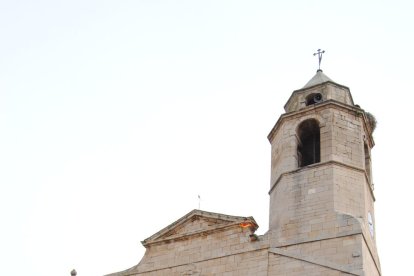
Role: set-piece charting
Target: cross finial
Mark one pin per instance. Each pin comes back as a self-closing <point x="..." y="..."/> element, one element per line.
<point x="319" y="53"/>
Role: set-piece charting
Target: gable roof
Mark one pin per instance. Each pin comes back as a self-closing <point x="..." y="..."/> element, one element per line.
<point x="205" y="222"/>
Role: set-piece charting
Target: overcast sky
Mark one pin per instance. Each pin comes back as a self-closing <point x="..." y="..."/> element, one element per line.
<point x="116" y="115"/>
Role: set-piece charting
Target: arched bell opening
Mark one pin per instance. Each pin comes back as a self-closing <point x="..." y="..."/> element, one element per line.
<point x="309" y="143"/>
<point x="314" y="98"/>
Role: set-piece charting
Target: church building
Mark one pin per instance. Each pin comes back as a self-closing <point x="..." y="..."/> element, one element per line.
<point x="322" y="219"/>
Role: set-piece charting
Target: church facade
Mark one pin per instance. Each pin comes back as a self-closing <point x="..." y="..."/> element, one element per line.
<point x="322" y="219"/>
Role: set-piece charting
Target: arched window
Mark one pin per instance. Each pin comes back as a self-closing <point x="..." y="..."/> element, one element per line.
<point x="309" y="143"/>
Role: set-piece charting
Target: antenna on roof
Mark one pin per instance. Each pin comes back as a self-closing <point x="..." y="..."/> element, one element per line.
<point x="319" y="53"/>
<point x="199" y="202"/>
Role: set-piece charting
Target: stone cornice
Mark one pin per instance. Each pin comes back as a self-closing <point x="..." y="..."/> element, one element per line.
<point x="230" y="221"/>
<point x="237" y="252"/>
<point x="318" y="85"/>
<point x="317" y="261"/>
<point x="323" y="105"/>
<point x="359" y="231"/>
<point x="192" y="234"/>
<point x="331" y="162"/>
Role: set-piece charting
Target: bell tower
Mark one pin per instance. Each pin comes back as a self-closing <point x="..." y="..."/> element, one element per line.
<point x="321" y="194"/>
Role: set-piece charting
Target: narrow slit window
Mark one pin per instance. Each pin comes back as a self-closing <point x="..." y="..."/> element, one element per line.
<point x="367" y="162"/>
<point x="309" y="144"/>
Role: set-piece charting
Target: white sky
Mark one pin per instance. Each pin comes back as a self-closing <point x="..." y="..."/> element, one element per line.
<point x="115" y="115"/>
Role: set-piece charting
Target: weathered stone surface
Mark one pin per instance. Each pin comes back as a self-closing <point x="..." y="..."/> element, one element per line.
<point x="319" y="222"/>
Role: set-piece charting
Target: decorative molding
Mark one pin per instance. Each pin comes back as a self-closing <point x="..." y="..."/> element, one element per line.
<point x="136" y="272"/>
<point x="315" y="165"/>
<point x="192" y="234"/>
<point x="313" y="108"/>
<point x="321" y="238"/>
<point x="316" y="261"/>
<point x="231" y="221"/>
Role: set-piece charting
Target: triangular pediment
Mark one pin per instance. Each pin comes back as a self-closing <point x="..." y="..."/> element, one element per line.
<point x="198" y="222"/>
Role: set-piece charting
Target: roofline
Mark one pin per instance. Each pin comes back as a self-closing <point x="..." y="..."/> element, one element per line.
<point x="316" y="85"/>
<point x="322" y="105"/>
<point x="195" y="212"/>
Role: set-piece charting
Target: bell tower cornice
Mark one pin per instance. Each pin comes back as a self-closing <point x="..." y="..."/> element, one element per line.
<point x="327" y="104"/>
<point x="319" y="89"/>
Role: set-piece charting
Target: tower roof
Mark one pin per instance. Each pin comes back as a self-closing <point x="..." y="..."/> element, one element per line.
<point x="322" y="86"/>
<point x="319" y="78"/>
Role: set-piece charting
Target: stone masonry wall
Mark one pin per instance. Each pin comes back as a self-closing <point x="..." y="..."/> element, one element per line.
<point x="226" y="250"/>
<point x="326" y="201"/>
<point x="247" y="263"/>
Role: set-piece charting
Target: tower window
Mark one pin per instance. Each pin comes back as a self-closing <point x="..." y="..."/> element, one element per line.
<point x="314" y="98"/>
<point x="309" y="145"/>
<point x="367" y="162"/>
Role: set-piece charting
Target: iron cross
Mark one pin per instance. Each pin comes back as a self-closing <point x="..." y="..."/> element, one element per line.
<point x="319" y="53"/>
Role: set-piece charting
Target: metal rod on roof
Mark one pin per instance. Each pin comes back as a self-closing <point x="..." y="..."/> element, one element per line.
<point x="319" y="53"/>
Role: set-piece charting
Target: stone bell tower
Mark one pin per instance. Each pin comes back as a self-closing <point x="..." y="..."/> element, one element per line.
<point x="321" y="193"/>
